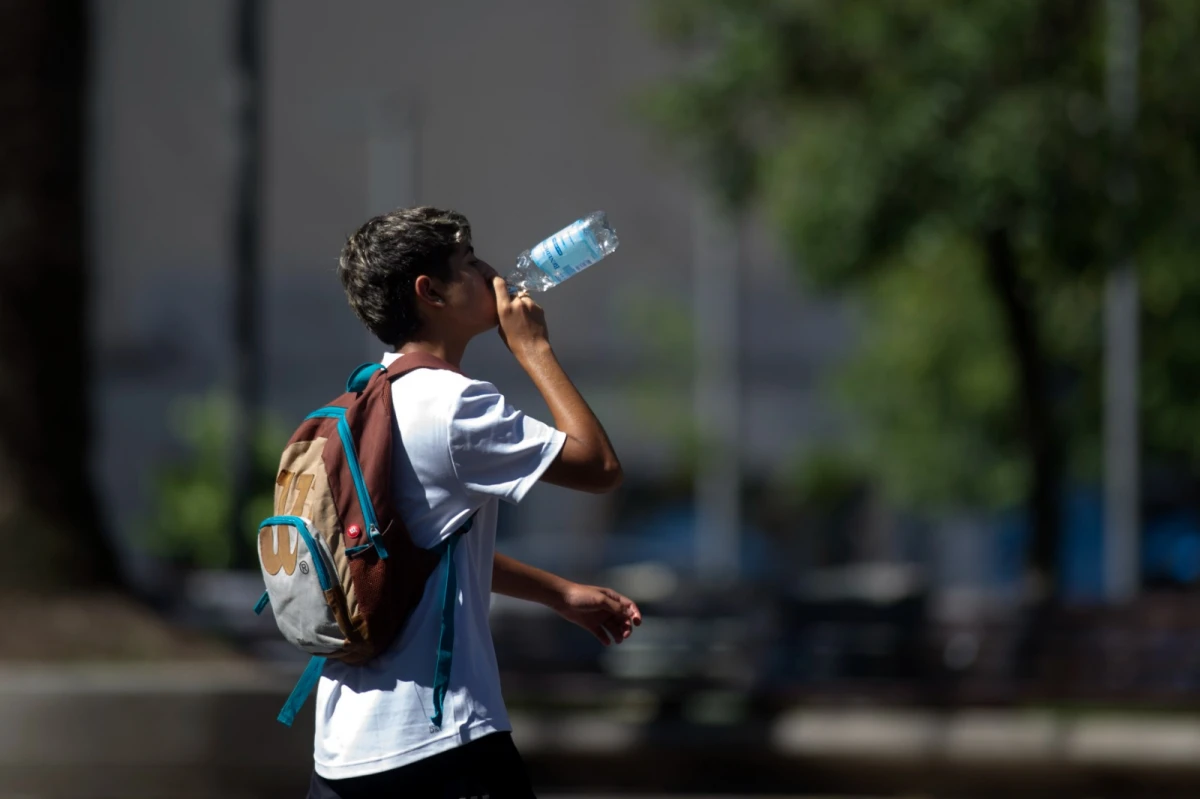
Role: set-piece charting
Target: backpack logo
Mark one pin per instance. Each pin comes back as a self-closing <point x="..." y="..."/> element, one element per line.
<point x="275" y="543"/>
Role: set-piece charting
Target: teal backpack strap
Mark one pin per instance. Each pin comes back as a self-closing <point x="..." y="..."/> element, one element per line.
<point x="357" y="382"/>
<point x="304" y="686"/>
<point x="445" y="650"/>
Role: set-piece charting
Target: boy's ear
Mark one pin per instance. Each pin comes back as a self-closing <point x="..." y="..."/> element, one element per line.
<point x="427" y="292"/>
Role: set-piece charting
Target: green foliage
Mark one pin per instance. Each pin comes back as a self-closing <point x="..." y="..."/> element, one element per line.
<point x="886" y="140"/>
<point x="933" y="384"/>
<point x="822" y="482"/>
<point x="192" y="496"/>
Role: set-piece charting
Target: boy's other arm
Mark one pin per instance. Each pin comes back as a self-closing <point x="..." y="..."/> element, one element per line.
<point x="587" y="461"/>
<point x="601" y="611"/>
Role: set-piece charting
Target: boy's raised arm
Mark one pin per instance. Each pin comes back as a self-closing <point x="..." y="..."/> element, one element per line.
<point x="587" y="461"/>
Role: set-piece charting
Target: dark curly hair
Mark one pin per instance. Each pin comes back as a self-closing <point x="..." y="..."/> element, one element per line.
<point x="381" y="262"/>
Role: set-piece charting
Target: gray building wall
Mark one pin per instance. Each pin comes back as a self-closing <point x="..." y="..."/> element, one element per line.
<point x="520" y="113"/>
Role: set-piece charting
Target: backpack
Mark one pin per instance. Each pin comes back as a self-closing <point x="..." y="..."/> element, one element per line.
<point x="342" y="573"/>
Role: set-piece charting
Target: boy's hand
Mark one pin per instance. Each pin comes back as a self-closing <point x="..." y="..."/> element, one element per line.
<point x="522" y="321"/>
<point x="600" y="611"/>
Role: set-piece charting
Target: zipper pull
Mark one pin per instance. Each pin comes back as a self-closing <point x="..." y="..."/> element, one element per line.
<point x="376" y="540"/>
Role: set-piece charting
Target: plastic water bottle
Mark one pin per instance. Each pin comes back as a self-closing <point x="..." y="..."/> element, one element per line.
<point x="568" y="252"/>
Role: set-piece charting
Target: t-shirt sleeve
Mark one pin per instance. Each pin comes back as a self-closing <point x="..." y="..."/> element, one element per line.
<point x="497" y="450"/>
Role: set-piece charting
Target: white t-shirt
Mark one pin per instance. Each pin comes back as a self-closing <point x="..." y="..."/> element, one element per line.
<point x="460" y="448"/>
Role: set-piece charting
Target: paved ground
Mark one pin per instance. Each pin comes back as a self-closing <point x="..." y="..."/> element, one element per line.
<point x="193" y="731"/>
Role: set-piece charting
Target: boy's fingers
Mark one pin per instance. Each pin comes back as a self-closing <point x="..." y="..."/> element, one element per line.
<point x="616" y="630"/>
<point x="501" y="289"/>
<point x="628" y="606"/>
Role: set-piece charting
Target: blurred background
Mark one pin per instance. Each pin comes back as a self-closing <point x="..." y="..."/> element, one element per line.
<point x="900" y="351"/>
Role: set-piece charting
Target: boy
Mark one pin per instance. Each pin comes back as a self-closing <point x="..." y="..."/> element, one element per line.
<point x="414" y="280"/>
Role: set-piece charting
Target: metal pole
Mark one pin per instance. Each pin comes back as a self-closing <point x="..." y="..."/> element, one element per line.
<point x="393" y="155"/>
<point x="247" y="274"/>
<point x="717" y="393"/>
<point x="1121" y="347"/>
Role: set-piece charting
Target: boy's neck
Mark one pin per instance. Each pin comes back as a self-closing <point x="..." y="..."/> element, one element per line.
<point x="448" y="351"/>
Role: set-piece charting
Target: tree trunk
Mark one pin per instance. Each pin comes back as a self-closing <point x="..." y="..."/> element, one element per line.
<point x="1036" y="407"/>
<point x="49" y="528"/>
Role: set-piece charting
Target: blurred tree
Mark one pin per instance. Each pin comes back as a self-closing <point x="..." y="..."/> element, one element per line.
<point x="49" y="525"/>
<point x="192" y="496"/>
<point x="950" y="163"/>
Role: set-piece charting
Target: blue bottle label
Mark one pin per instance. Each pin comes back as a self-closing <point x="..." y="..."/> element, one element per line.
<point x="568" y="251"/>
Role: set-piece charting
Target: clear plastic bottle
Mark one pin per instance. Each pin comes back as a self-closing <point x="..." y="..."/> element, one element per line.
<point x="568" y="252"/>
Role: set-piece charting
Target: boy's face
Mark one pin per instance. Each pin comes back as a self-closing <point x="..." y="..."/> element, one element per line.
<point x="470" y="300"/>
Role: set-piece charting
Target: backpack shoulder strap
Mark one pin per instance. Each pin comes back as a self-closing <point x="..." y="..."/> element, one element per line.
<point x="412" y="361"/>
<point x="362" y="374"/>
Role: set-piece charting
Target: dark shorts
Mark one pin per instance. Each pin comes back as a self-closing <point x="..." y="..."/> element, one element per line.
<point x="489" y="766"/>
